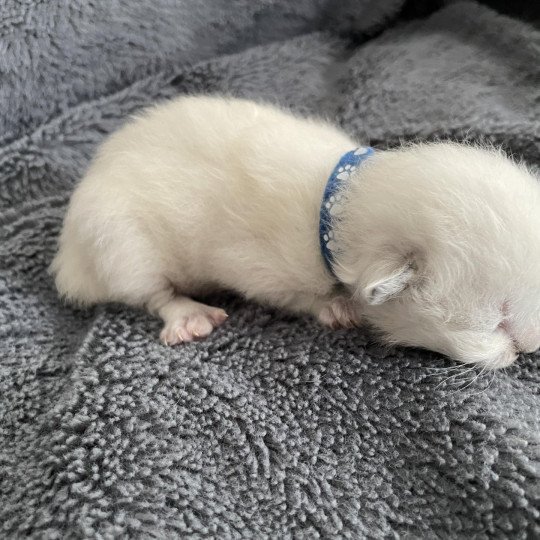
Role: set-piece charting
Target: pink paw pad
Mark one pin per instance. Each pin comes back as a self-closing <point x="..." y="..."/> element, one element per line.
<point x="192" y="327"/>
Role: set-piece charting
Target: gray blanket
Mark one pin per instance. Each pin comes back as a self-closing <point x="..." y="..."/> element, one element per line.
<point x="274" y="426"/>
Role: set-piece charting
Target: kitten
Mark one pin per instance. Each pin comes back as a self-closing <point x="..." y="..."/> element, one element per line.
<point x="436" y="245"/>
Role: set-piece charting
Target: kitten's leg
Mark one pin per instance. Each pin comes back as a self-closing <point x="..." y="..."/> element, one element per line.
<point x="339" y="312"/>
<point x="185" y="320"/>
<point x="334" y="310"/>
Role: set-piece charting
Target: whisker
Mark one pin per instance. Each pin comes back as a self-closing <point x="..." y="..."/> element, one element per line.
<point x="475" y="378"/>
<point x="463" y="378"/>
<point x="445" y="370"/>
<point x="488" y="385"/>
<point x="460" y="374"/>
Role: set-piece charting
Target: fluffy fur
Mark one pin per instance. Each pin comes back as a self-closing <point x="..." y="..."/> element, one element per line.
<point x="439" y="243"/>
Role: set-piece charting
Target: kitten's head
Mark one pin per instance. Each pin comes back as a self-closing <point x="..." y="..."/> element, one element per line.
<point x="441" y="245"/>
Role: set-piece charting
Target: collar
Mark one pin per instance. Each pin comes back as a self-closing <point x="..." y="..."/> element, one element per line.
<point x="331" y="204"/>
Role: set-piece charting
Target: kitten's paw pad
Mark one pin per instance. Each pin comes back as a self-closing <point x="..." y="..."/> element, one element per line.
<point x="340" y="312"/>
<point x="192" y="327"/>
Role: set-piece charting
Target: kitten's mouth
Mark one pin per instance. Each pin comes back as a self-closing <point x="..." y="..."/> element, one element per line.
<point x="505" y="325"/>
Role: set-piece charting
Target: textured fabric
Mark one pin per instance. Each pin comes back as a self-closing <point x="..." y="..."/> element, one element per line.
<point x="273" y="426"/>
<point x="331" y="202"/>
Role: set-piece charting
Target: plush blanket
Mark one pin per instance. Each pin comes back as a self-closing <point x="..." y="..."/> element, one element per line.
<point x="273" y="427"/>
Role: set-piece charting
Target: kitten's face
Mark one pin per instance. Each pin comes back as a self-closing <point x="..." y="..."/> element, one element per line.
<point x="449" y="256"/>
<point x="485" y="321"/>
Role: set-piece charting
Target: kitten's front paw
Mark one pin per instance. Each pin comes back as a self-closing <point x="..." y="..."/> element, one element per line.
<point x="340" y="312"/>
<point x="193" y="326"/>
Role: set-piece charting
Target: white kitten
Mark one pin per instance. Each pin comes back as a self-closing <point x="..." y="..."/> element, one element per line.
<point x="437" y="245"/>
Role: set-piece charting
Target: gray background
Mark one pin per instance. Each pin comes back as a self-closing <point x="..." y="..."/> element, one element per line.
<point x="274" y="426"/>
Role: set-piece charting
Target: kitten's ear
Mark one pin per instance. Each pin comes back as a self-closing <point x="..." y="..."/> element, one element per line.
<point x="387" y="280"/>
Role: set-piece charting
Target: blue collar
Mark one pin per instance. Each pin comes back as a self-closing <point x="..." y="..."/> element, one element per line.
<point x="332" y="198"/>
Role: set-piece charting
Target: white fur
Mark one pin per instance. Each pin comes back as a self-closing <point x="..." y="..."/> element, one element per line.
<point x="440" y="244"/>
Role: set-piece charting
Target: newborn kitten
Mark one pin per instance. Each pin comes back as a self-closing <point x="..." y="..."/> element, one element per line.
<point x="436" y="245"/>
